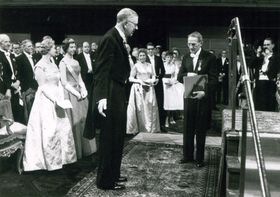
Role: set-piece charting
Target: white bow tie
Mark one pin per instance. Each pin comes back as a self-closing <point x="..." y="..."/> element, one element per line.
<point x="7" y="54"/>
<point x="192" y="55"/>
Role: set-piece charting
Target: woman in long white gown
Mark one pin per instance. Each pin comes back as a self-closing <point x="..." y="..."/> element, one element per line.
<point x="142" y="110"/>
<point x="49" y="140"/>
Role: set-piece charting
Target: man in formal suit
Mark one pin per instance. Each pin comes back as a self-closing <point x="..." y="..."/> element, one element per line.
<point x="266" y="65"/>
<point x="11" y="83"/>
<point x="223" y="69"/>
<point x="87" y="65"/>
<point x="160" y="72"/>
<point x="197" y="62"/>
<point x="111" y="74"/>
<point x="37" y="53"/>
<point x="94" y="48"/>
<point x="16" y="49"/>
<point x="58" y="56"/>
<point x="25" y="64"/>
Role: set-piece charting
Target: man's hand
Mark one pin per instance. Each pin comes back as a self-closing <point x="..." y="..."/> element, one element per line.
<point x="102" y="105"/>
<point x="84" y="94"/>
<point x="198" y="95"/>
<point x="16" y="84"/>
<point x="8" y="93"/>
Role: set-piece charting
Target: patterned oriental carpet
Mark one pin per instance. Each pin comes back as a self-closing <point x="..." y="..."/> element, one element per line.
<point x="153" y="170"/>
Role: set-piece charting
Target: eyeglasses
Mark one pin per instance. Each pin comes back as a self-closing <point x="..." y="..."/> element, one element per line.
<point x="135" y="24"/>
<point x="266" y="44"/>
<point x="150" y="49"/>
<point x="192" y="44"/>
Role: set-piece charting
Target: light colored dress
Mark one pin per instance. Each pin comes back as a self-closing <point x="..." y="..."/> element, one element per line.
<point x="142" y="110"/>
<point x="72" y="81"/>
<point x="172" y="89"/>
<point x="49" y="140"/>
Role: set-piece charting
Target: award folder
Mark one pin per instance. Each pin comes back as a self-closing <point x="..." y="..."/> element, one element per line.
<point x="194" y="83"/>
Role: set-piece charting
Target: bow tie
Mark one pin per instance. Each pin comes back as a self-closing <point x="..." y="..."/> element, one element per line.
<point x="7" y="54"/>
<point x="192" y="55"/>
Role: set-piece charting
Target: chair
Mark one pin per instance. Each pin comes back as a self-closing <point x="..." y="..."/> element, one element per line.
<point x="12" y="134"/>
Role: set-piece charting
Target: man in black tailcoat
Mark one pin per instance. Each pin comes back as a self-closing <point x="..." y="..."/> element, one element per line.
<point x="111" y="74"/>
<point x="87" y="65"/>
<point x="196" y="114"/>
<point x="223" y="69"/>
<point x="11" y="83"/>
<point x="266" y="65"/>
<point x="25" y="64"/>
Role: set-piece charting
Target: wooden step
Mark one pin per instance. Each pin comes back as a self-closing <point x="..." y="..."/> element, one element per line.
<point x="232" y="172"/>
<point x="232" y="143"/>
<point x="270" y="144"/>
<point x="232" y="193"/>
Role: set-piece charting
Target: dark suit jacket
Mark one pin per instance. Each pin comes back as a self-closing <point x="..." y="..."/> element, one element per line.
<point x="159" y="67"/>
<point x="111" y="65"/>
<point x="272" y="68"/>
<point x="206" y="61"/>
<point x="37" y="57"/>
<point x="7" y="72"/>
<point x="206" y="64"/>
<point x="57" y="59"/>
<point x="87" y="77"/>
<point x="25" y="73"/>
<point x="223" y="68"/>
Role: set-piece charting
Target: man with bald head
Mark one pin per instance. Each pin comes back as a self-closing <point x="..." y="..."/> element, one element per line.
<point x="111" y="74"/>
<point x="11" y="83"/>
<point x="87" y="65"/>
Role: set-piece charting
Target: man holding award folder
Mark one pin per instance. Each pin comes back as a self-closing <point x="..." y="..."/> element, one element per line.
<point x="198" y="66"/>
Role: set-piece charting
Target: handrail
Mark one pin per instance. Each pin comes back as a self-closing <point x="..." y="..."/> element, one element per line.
<point x="235" y="30"/>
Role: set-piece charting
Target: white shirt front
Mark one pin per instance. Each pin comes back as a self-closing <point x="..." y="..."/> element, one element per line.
<point x="29" y="57"/>
<point x="88" y="60"/>
<point x="7" y="54"/>
<point x="152" y="60"/>
<point x="223" y="60"/>
<point x="195" y="58"/>
<point x="263" y="76"/>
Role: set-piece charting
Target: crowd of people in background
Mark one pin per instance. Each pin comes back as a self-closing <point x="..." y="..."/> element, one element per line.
<point x="39" y="79"/>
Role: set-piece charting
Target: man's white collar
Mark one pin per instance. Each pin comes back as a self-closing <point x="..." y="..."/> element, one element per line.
<point x="121" y="33"/>
<point x="196" y="54"/>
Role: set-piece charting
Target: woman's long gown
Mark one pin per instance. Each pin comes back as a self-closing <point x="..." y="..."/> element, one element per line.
<point x="142" y="110"/>
<point x="49" y="140"/>
<point x="173" y="94"/>
<point x="71" y="75"/>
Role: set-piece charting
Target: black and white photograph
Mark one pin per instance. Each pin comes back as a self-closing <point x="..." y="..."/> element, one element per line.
<point x="127" y="98"/>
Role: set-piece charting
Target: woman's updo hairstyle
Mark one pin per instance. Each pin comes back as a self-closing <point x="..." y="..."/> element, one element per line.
<point x="46" y="46"/>
<point x="142" y="50"/>
<point x="66" y="43"/>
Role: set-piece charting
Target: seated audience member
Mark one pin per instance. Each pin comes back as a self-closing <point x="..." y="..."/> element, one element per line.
<point x="49" y="139"/>
<point x="142" y="110"/>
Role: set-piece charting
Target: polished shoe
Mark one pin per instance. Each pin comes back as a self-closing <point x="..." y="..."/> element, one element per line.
<point x="118" y="187"/>
<point x="182" y="161"/>
<point x="200" y="164"/>
<point x="122" y="179"/>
